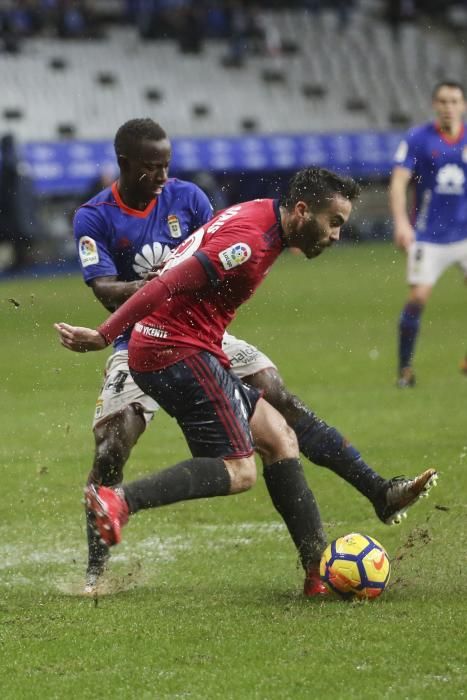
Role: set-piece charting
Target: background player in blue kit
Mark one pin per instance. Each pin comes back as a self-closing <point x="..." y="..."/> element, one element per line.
<point x="124" y="233"/>
<point x="434" y="157"/>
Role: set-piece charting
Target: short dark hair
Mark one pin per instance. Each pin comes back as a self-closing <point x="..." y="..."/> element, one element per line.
<point x="316" y="186"/>
<point x="447" y="83"/>
<point x="133" y="132"/>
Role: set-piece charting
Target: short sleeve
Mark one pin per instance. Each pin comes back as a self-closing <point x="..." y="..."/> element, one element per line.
<point x="90" y="232"/>
<point x="201" y="208"/>
<point x="406" y="152"/>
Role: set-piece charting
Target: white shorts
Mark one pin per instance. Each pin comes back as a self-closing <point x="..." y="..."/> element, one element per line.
<point x="245" y="359"/>
<point x="119" y="390"/>
<point x="426" y="262"/>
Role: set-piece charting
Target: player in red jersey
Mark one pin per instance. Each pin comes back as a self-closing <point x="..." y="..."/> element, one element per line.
<point x="180" y="319"/>
<point x="123" y="232"/>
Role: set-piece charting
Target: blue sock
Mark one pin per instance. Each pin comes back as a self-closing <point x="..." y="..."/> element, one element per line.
<point x="325" y="446"/>
<point x="409" y="325"/>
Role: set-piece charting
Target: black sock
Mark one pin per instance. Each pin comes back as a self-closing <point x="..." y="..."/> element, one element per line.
<point x="97" y="552"/>
<point x="200" y="477"/>
<point x="295" y="502"/>
<point x="325" y="446"/>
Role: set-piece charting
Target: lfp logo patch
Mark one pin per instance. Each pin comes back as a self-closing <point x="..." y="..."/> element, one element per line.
<point x="88" y="252"/>
<point x="235" y="255"/>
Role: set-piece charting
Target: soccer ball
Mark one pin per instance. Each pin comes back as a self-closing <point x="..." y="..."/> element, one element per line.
<point x="355" y="566"/>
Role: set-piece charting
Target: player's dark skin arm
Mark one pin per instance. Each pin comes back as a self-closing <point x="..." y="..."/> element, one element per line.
<point x="111" y="292"/>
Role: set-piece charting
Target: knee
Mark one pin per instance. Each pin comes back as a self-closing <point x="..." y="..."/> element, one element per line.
<point x="277" y="394"/>
<point x="286" y="443"/>
<point x="282" y="445"/>
<point x="242" y="474"/>
<point x="419" y="296"/>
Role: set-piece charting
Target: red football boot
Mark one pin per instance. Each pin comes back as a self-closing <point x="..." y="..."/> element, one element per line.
<point x="110" y="511"/>
<point x="313" y="585"/>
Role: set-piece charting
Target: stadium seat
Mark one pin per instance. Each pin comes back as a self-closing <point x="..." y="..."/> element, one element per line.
<point x="329" y="80"/>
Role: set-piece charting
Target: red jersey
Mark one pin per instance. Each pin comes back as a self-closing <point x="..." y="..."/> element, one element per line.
<point x="236" y="249"/>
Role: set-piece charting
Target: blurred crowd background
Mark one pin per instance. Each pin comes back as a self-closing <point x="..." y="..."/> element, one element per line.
<point x="247" y="90"/>
<point x="203" y="18"/>
<point x="193" y="21"/>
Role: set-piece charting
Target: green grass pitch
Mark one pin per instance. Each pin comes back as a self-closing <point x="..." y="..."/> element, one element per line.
<point x="204" y="598"/>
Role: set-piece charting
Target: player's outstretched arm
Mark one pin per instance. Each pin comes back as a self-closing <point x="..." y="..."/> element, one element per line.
<point x="404" y="234"/>
<point x="187" y="276"/>
<point x="112" y="292"/>
<point x="79" y="339"/>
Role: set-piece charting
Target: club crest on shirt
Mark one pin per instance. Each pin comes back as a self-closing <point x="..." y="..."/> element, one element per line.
<point x="99" y="409"/>
<point x="174" y="226"/>
<point x="234" y="256"/>
<point x="88" y="253"/>
<point x="464" y="154"/>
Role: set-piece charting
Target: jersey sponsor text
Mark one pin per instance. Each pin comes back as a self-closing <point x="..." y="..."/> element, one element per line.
<point x="151" y="331"/>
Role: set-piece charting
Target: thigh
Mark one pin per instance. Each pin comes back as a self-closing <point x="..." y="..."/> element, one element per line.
<point x="274" y="439"/>
<point x="119" y="391"/>
<point x="426" y="262"/>
<point x="210" y="404"/>
<point x="245" y="359"/>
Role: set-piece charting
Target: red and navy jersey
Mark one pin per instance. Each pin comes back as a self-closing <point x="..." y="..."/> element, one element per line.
<point x="439" y="168"/>
<point x="236" y="249"/>
<point x="115" y="240"/>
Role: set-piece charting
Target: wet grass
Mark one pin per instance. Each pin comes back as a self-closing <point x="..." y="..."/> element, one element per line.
<point x="203" y="598"/>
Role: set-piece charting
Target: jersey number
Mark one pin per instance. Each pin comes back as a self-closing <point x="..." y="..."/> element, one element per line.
<point x="117" y="383"/>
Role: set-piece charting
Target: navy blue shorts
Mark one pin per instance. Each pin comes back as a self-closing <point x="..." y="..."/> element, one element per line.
<point x="210" y="404"/>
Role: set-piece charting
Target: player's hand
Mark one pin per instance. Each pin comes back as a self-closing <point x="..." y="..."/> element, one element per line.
<point x="151" y="275"/>
<point x="404" y="236"/>
<point x="79" y="339"/>
<point x="155" y="271"/>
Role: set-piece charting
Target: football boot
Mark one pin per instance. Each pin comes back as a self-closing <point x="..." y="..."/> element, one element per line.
<point x="110" y="511"/>
<point x="94" y="574"/>
<point x="406" y="378"/>
<point x="399" y="493"/>
<point x="313" y="586"/>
